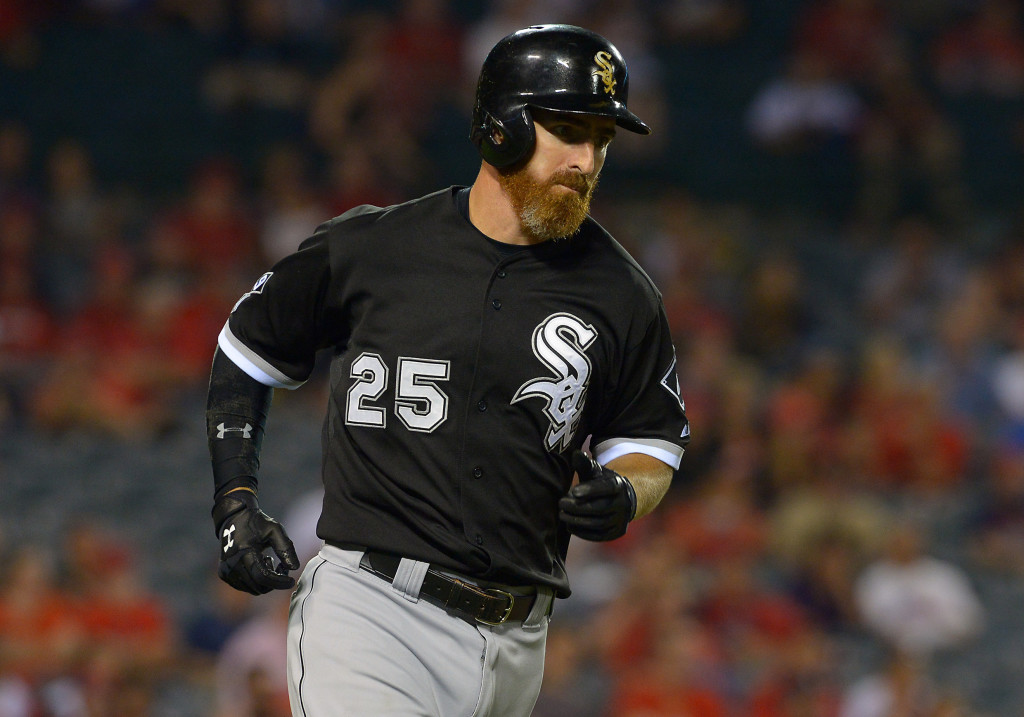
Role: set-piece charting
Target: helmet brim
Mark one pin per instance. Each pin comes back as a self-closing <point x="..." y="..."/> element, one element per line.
<point x="585" y="105"/>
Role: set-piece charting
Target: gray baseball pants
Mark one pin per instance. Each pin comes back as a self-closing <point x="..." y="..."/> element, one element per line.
<point x="359" y="646"/>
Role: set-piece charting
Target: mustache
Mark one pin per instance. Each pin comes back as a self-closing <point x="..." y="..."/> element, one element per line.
<point x="573" y="180"/>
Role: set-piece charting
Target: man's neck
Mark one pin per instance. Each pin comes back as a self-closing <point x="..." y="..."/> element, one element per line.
<point x="491" y="211"/>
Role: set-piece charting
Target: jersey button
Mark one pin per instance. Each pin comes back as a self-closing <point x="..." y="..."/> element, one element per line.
<point x="496" y="304"/>
<point x="479" y="539"/>
<point x="478" y="472"/>
<point x="502" y="273"/>
<point x="481" y="405"/>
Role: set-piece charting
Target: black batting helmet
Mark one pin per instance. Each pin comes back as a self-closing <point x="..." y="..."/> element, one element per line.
<point x="563" y="68"/>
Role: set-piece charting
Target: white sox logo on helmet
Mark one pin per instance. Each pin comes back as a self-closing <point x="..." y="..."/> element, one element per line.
<point x="606" y="71"/>
<point x="560" y="342"/>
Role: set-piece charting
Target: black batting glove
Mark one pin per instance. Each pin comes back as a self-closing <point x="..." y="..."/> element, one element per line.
<point x="245" y="532"/>
<point x="601" y="505"/>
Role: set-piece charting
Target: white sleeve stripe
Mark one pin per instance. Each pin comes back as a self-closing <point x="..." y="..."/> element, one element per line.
<point x="666" y="452"/>
<point x="247" y="360"/>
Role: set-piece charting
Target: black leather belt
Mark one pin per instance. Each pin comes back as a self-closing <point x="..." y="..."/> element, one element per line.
<point x="472" y="603"/>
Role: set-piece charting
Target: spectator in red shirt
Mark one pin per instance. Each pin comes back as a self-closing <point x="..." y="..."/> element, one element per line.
<point x="38" y="639"/>
<point x="800" y="682"/>
<point x="129" y="638"/>
<point x="984" y="54"/>
<point x="908" y="443"/>
<point x="111" y="375"/>
<point x="27" y="326"/>
<point x="212" y="227"/>
<point x="423" y="54"/>
<point x="722" y="522"/>
<point x="852" y="35"/>
<point x="681" y="677"/>
<point x="755" y="617"/>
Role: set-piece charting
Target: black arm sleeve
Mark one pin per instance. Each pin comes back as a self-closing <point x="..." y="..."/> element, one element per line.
<point x="236" y="416"/>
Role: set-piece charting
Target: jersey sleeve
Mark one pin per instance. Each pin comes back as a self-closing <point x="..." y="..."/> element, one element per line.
<point x="647" y="414"/>
<point x="276" y="328"/>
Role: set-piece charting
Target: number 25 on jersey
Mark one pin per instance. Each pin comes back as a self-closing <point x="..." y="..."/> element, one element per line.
<point x="419" y="403"/>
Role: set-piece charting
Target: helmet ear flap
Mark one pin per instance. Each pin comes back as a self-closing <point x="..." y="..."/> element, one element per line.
<point x="503" y="143"/>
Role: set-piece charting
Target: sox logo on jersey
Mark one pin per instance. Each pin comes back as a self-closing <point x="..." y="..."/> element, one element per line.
<point x="560" y="342"/>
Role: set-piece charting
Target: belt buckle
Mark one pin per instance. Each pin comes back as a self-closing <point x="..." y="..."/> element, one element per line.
<point x="495" y="592"/>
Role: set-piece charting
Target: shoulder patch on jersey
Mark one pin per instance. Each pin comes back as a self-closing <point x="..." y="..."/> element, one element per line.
<point x="670" y="382"/>
<point x="560" y="342"/>
<point x="257" y="288"/>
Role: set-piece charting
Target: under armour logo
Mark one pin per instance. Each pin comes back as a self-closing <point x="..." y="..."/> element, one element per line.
<point x="228" y="542"/>
<point x="606" y="71"/>
<point x="223" y="430"/>
<point x="559" y="342"/>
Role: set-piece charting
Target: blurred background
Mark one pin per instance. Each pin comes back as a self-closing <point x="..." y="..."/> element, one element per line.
<point x="830" y="203"/>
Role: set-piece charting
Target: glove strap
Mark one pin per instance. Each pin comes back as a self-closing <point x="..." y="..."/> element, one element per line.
<point x="231" y="503"/>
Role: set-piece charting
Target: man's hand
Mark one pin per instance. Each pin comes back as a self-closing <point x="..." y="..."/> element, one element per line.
<point x="245" y="532"/>
<point x="601" y="505"/>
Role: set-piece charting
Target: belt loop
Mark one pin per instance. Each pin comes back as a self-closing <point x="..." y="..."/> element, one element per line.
<point x="409" y="578"/>
<point x="541" y="607"/>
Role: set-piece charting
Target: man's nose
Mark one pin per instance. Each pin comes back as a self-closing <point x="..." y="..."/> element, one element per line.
<point x="584" y="157"/>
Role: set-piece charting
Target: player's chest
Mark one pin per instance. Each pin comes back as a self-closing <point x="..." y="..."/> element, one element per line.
<point x="511" y="313"/>
<point x="527" y="344"/>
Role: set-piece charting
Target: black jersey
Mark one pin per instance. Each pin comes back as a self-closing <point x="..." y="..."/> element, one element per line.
<point x="462" y="377"/>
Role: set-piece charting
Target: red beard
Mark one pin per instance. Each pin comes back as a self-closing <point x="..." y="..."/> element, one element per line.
<point x="544" y="211"/>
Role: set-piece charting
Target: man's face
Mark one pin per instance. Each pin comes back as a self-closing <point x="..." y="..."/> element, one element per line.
<point x="551" y="191"/>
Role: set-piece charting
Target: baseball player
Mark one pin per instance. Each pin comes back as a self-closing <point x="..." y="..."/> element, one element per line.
<point x="478" y="336"/>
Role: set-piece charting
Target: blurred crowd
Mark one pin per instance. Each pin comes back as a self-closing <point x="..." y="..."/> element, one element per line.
<point x="850" y="336"/>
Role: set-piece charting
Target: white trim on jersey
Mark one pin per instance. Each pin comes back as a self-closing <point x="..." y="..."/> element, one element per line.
<point x="668" y="453"/>
<point x="254" y="365"/>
